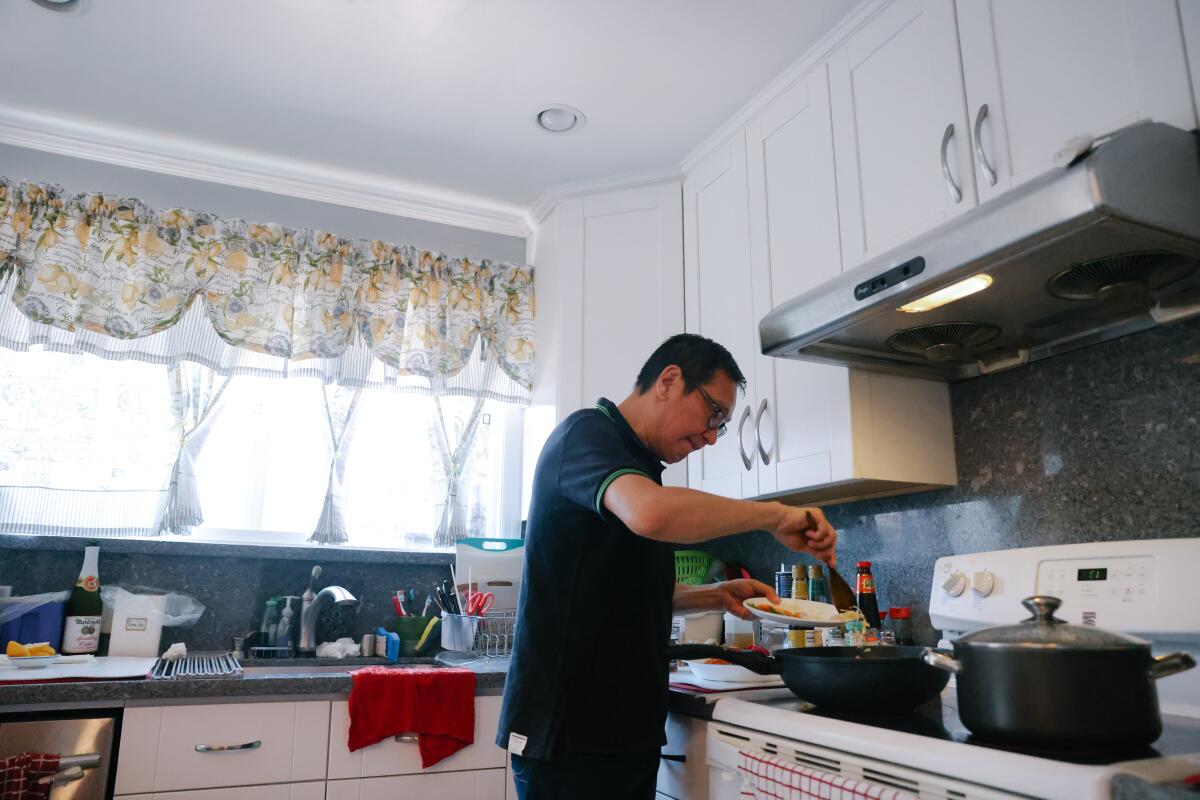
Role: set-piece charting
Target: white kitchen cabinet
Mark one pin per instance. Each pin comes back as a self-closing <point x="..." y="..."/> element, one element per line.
<point x="1047" y="72"/>
<point x="795" y="246"/>
<point x="687" y="780"/>
<point x="314" y="790"/>
<point x="618" y="258"/>
<point x="1189" y="14"/>
<point x="485" y="784"/>
<point x="391" y="757"/>
<point x="292" y="746"/>
<point x="719" y="302"/>
<point x="900" y="127"/>
<point x="823" y="432"/>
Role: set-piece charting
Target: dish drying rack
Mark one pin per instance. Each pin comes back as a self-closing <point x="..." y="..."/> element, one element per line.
<point x="495" y="635"/>
<point x="217" y="665"/>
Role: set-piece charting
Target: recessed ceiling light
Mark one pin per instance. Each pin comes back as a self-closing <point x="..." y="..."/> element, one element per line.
<point x="559" y="118"/>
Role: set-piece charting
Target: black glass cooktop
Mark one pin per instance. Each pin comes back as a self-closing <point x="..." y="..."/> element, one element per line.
<point x="938" y="719"/>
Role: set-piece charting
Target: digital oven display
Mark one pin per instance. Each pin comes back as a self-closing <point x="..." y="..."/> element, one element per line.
<point x="1095" y="574"/>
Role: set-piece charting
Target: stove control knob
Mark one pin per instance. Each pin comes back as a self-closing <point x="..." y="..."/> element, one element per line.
<point x="983" y="582"/>
<point x="955" y="585"/>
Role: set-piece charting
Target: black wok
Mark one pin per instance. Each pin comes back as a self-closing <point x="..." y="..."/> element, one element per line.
<point x="855" y="680"/>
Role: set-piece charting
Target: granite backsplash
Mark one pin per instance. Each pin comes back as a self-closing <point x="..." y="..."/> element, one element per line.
<point x="1100" y="444"/>
<point x="232" y="581"/>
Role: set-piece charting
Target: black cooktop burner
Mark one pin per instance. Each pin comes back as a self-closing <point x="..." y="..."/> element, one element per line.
<point x="938" y="719"/>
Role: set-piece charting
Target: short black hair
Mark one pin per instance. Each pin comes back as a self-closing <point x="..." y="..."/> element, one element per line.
<point x="696" y="356"/>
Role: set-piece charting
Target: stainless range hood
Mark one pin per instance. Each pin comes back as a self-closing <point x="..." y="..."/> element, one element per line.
<point x="1103" y="247"/>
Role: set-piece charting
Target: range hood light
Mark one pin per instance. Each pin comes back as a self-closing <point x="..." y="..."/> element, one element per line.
<point x="955" y="291"/>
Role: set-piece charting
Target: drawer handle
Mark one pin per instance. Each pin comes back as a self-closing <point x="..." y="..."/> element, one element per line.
<point x="406" y="737"/>
<point x="220" y="748"/>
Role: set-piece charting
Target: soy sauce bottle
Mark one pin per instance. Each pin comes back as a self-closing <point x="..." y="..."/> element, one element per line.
<point x="865" y="594"/>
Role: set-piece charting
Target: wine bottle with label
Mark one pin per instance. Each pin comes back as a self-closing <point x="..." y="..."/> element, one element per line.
<point x="81" y="629"/>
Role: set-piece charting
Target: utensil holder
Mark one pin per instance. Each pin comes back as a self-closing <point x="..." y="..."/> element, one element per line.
<point x="458" y="632"/>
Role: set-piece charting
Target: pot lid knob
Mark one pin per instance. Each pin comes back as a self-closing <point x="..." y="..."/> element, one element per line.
<point x="1042" y="607"/>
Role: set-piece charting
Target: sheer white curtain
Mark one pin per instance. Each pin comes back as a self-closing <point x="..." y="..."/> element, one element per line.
<point x="195" y="401"/>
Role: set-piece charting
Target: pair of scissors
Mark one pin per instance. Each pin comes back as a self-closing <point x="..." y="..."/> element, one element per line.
<point x="479" y="603"/>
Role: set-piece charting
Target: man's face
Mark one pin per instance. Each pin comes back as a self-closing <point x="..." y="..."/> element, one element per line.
<point x="685" y="426"/>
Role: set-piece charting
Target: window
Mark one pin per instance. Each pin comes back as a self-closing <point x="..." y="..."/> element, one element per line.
<point x="88" y="445"/>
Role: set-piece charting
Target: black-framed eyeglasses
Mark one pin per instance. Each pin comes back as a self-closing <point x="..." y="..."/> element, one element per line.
<point x="716" y="422"/>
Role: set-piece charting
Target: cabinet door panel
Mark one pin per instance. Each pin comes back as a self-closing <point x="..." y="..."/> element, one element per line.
<point x="795" y="246"/>
<point x="390" y="757"/>
<point x="485" y="784"/>
<point x="1051" y="71"/>
<point x="720" y="299"/>
<point x="632" y="288"/>
<point x="896" y="86"/>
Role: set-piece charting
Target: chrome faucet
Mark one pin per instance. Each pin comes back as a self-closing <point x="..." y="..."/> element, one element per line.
<point x="311" y="604"/>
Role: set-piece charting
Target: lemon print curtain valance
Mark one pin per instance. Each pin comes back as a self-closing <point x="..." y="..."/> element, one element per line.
<point x="115" y="268"/>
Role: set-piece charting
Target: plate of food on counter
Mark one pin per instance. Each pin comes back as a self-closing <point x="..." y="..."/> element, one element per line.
<point x="799" y="613"/>
<point x="718" y="670"/>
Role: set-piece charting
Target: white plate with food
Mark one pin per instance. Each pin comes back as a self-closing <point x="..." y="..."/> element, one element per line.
<point x="716" y="670"/>
<point x="799" y="613"/>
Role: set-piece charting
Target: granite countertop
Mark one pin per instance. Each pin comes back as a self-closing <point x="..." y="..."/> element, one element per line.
<point x="291" y="681"/>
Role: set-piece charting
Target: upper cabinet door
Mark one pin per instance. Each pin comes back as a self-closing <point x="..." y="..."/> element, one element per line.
<point x="719" y="304"/>
<point x="795" y="246"/>
<point x="900" y="127"/>
<point x="1049" y="71"/>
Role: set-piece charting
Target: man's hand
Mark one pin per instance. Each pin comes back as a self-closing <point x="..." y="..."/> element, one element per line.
<point x="733" y="593"/>
<point x="727" y="596"/>
<point x="806" y="530"/>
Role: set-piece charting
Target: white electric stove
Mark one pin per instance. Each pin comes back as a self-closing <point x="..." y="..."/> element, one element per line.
<point x="1145" y="588"/>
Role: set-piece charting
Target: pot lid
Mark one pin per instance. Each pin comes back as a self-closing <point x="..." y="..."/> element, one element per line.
<point x="1043" y="628"/>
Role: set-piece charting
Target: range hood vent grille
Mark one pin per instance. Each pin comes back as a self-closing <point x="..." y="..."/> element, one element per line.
<point x="944" y="341"/>
<point x="1124" y="275"/>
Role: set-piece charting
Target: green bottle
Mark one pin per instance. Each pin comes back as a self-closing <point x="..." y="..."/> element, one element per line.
<point x="81" y="628"/>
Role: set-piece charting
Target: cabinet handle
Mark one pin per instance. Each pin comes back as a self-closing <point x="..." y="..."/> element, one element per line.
<point x="742" y="424"/>
<point x="763" y="454"/>
<point x="406" y="737"/>
<point x="980" y="156"/>
<point x="955" y="192"/>
<point x="219" y="748"/>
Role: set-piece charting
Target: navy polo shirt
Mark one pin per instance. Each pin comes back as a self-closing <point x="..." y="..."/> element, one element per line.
<point x="589" y="672"/>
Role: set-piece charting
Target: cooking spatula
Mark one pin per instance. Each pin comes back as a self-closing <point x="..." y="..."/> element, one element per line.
<point x="839" y="591"/>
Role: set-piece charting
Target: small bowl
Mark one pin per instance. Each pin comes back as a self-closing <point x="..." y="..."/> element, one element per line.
<point x="31" y="662"/>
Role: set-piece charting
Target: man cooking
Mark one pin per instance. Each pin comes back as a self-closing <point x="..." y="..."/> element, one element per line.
<point x="585" y="700"/>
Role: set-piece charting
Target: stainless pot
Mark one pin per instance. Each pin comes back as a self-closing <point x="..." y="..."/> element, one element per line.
<point x="1046" y="683"/>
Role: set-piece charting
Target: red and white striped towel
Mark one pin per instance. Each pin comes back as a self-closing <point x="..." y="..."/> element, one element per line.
<point x="767" y="778"/>
<point x="19" y="776"/>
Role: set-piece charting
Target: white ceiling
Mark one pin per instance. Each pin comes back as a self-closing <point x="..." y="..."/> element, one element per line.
<point x="420" y="98"/>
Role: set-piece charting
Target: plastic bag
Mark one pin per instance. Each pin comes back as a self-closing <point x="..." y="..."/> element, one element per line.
<point x="13" y="607"/>
<point x="179" y="610"/>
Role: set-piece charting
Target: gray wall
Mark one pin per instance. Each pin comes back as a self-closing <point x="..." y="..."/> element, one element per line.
<point x="1102" y="444"/>
<point x="168" y="191"/>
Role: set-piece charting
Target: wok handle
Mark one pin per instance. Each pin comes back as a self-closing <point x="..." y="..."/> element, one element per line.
<point x="1170" y="664"/>
<point x="942" y="661"/>
<point x="755" y="662"/>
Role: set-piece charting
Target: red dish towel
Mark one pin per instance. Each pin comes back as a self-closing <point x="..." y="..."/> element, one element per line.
<point x="436" y="704"/>
<point x="19" y="776"/>
<point x="768" y="778"/>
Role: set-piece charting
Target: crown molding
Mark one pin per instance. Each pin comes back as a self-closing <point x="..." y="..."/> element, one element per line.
<point x="550" y="198"/>
<point x="251" y="170"/>
<point x="815" y="54"/>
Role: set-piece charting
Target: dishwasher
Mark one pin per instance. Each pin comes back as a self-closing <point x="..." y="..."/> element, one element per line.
<point x="85" y="739"/>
